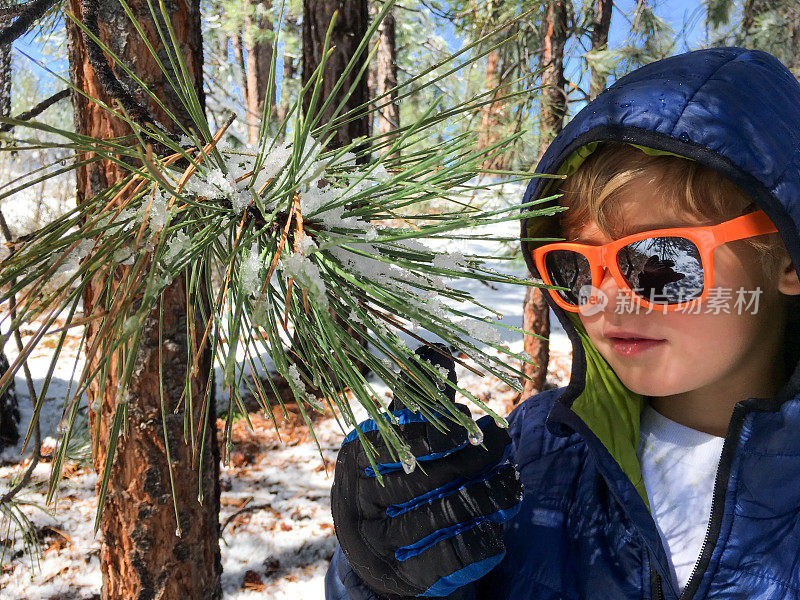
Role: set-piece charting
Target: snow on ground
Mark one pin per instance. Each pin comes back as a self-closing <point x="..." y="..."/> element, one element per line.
<point x="277" y="533"/>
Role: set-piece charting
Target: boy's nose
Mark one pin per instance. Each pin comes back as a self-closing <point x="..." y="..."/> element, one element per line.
<point x="608" y="286"/>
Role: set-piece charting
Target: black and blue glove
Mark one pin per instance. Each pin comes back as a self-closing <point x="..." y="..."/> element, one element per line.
<point x="425" y="533"/>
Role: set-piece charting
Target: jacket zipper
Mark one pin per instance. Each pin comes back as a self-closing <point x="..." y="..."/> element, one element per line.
<point x="655" y="584"/>
<point x="715" y="519"/>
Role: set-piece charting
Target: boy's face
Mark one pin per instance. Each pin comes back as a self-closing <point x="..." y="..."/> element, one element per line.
<point x="709" y="349"/>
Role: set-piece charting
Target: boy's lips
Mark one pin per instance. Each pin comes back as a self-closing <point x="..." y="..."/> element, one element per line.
<point x="627" y="343"/>
<point x="627" y="335"/>
<point x="630" y="343"/>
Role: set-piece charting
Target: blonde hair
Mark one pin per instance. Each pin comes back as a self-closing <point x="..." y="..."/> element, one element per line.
<point x="594" y="191"/>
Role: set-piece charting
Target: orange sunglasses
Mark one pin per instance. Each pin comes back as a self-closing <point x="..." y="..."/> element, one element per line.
<point x="663" y="269"/>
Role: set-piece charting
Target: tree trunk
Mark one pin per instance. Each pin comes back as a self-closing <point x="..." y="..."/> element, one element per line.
<point x="493" y="114"/>
<point x="5" y="80"/>
<point x="259" y="58"/>
<point x="241" y="67"/>
<point x="142" y="555"/>
<point x="388" y="115"/>
<point x="553" y="107"/>
<point x="793" y="25"/>
<point x="599" y="36"/>
<point x="288" y="75"/>
<point x="349" y="30"/>
<point x="223" y="40"/>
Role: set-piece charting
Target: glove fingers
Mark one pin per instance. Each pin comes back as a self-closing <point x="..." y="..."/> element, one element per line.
<point x="420" y="521"/>
<point x="426" y="443"/>
<point x="420" y="435"/>
<point x="443" y="474"/>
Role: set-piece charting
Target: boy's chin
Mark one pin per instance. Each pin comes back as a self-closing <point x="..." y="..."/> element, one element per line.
<point x="653" y="389"/>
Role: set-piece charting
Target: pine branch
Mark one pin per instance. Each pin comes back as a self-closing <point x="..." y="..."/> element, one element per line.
<point x="34" y="11"/>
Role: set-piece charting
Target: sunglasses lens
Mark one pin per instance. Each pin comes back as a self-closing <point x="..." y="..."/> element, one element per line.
<point x="570" y="270"/>
<point x="664" y="270"/>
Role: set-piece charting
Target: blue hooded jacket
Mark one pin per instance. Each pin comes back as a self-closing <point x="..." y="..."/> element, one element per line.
<point x="585" y="528"/>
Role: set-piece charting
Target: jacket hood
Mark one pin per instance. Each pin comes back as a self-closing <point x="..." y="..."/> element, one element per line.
<point x="731" y="109"/>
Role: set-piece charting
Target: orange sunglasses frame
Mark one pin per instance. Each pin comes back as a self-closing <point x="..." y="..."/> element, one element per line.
<point x="705" y="237"/>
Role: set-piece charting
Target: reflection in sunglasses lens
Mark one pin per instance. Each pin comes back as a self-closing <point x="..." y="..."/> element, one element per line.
<point x="664" y="270"/>
<point x="570" y="270"/>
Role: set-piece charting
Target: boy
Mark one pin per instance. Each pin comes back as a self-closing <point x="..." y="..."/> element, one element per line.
<point x="670" y="465"/>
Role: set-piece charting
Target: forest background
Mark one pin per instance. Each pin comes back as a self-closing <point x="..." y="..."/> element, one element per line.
<point x="561" y="54"/>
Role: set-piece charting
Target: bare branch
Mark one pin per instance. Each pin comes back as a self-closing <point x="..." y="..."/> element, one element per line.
<point x="32" y="12"/>
<point x="36" y="110"/>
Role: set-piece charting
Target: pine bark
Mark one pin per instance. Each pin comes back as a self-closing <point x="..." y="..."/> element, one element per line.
<point x="553" y="105"/>
<point x="388" y="115"/>
<point x="553" y="108"/>
<point x="241" y="67"/>
<point x="599" y="39"/>
<point x="493" y="114"/>
<point x="288" y="75"/>
<point x="5" y="80"/>
<point x="259" y="59"/>
<point x="141" y="555"/>
<point x="348" y="31"/>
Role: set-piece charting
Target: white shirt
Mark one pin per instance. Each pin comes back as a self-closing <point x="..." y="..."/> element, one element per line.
<point x="679" y="465"/>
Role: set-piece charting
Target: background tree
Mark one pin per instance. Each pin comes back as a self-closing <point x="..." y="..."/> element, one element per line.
<point x="151" y="485"/>
<point x="494" y="113"/>
<point x="259" y="37"/>
<point x="6" y="13"/>
<point x="352" y="17"/>
<point x="291" y="62"/>
<point x="600" y="24"/>
<point x="386" y="73"/>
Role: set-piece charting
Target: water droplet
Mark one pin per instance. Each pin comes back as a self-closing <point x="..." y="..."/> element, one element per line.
<point x="475" y="436"/>
<point x="440" y="386"/>
<point x="408" y="461"/>
<point x="178" y="532"/>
